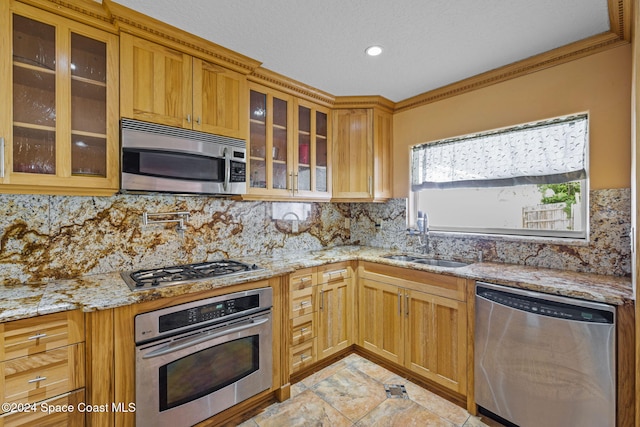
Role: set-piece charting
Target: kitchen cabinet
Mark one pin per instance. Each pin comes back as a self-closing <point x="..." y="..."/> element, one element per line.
<point x="166" y="86"/>
<point x="302" y="319"/>
<point x="60" y="133"/>
<point x="335" y="308"/>
<point x="43" y="359"/>
<point x="362" y="154"/>
<point x="417" y="320"/>
<point x="289" y="146"/>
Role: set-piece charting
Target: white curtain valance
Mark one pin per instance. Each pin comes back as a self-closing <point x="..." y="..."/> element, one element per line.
<point x="541" y="153"/>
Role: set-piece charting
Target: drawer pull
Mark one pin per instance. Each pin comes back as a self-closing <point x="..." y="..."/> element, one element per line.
<point x="304" y="357"/>
<point x="338" y="273"/>
<point x="303" y="330"/>
<point x="305" y="303"/>
<point x="37" y="379"/>
<point x="37" y="336"/>
<point x="305" y="279"/>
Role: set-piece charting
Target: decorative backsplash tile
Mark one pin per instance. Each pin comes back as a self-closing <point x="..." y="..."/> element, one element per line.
<point x="55" y="237"/>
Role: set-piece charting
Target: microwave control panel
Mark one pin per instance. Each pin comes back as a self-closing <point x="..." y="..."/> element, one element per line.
<point x="238" y="172"/>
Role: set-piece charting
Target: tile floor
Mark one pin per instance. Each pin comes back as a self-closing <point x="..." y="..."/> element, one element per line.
<point x="351" y="393"/>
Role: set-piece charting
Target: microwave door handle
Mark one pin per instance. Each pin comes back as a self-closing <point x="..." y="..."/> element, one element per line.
<point x="198" y="339"/>
<point x="227" y="169"/>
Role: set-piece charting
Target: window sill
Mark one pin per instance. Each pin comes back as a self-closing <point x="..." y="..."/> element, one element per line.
<point x="567" y="241"/>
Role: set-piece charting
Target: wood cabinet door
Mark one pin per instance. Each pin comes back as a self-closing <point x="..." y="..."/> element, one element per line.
<point x="436" y="339"/>
<point x="380" y="319"/>
<point x="219" y="100"/>
<point x="335" y="317"/>
<point x="155" y="83"/>
<point x="59" y="131"/>
<point x="352" y="154"/>
<point x="382" y="155"/>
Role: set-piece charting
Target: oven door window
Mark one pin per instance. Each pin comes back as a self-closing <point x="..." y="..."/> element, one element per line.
<point x="169" y="164"/>
<point x="208" y="370"/>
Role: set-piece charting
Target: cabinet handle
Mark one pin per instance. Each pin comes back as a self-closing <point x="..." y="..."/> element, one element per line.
<point x="37" y="336"/>
<point x="303" y="357"/>
<point x="399" y="304"/>
<point x="321" y="300"/>
<point x="304" y="304"/>
<point x="199" y="121"/>
<point x="1" y="157"/>
<point x="305" y="279"/>
<point x="37" y="379"/>
<point x="406" y="303"/>
<point x="188" y="118"/>
<point x="291" y="182"/>
<point x="370" y="185"/>
<point x="303" y="330"/>
<point x="338" y="273"/>
<point x="295" y="188"/>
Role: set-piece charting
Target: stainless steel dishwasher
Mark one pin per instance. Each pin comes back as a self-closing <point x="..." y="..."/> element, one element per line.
<point x="544" y="360"/>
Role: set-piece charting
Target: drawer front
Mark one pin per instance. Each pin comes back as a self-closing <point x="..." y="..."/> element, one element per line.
<point x="302" y="329"/>
<point x="334" y="272"/>
<point x="40" y="417"/>
<point x="43" y="375"/>
<point x="302" y="302"/>
<point x="29" y="336"/>
<point x="301" y="279"/>
<point x="303" y="355"/>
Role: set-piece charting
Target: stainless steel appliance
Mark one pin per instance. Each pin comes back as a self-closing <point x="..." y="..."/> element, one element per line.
<point x="166" y="276"/>
<point x="158" y="158"/>
<point x="197" y="359"/>
<point x="544" y="360"/>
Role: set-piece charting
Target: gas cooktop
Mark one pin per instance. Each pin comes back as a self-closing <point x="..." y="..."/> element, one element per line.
<point x="166" y="276"/>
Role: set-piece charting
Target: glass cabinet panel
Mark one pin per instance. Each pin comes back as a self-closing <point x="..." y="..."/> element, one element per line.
<point x="88" y="106"/>
<point x="279" y="146"/>
<point x="258" y="139"/>
<point x="321" y="151"/>
<point x="304" y="149"/>
<point x="34" y="96"/>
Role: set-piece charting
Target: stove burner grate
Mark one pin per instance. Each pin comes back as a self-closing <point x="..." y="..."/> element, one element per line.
<point x="159" y="277"/>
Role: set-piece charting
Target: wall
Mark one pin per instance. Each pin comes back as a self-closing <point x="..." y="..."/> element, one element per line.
<point x="599" y="84"/>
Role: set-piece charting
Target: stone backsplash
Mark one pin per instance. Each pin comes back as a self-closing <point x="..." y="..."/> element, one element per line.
<point x="608" y="250"/>
<point x="55" y="237"/>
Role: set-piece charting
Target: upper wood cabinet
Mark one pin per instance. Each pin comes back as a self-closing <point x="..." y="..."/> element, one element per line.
<point x="289" y="147"/>
<point x="166" y="86"/>
<point x="59" y="134"/>
<point x="362" y="154"/>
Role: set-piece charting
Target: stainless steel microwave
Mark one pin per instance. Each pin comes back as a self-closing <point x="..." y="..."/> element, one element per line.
<point x="157" y="158"/>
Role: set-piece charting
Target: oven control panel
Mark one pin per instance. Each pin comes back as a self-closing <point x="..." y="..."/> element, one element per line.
<point x="184" y="317"/>
<point x="207" y="312"/>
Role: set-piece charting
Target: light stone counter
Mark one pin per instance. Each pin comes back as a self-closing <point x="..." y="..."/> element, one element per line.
<point x="104" y="291"/>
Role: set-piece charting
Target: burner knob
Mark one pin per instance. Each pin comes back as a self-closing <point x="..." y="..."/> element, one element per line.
<point x="155" y="282"/>
<point x="254" y="267"/>
<point x="139" y="284"/>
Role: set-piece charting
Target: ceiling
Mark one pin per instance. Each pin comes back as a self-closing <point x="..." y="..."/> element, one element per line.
<point x="427" y="44"/>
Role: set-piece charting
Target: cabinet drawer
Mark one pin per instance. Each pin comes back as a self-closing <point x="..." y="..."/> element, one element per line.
<point x="334" y="273"/>
<point x="302" y="329"/>
<point x="303" y="355"/>
<point x="301" y="279"/>
<point x="42" y="418"/>
<point x="302" y="302"/>
<point x="43" y="375"/>
<point x="37" y="334"/>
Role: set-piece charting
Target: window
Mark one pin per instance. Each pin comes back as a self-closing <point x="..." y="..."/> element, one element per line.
<point x="525" y="180"/>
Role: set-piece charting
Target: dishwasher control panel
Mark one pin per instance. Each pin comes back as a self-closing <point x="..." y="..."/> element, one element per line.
<point x="544" y="307"/>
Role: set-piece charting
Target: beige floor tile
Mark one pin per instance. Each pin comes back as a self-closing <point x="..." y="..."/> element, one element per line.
<point x="306" y="409"/>
<point x="375" y="371"/>
<point x="401" y="413"/>
<point x="436" y="404"/>
<point x="351" y="392"/>
<point x="324" y="373"/>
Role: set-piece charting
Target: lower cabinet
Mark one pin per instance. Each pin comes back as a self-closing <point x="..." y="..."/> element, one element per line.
<point x="321" y="313"/>
<point x="417" y="320"/>
<point x="43" y="365"/>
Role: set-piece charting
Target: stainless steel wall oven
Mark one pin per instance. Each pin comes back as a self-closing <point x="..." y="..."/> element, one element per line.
<point x="197" y="359"/>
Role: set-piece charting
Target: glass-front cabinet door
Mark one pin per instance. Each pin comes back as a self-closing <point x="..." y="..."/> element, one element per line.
<point x="312" y="146"/>
<point x="271" y="124"/>
<point x="61" y="133"/>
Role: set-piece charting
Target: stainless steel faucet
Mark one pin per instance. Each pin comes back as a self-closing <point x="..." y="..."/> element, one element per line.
<point x="422" y="223"/>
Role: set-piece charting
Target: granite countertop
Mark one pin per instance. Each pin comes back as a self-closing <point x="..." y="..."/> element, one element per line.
<point x="104" y="291"/>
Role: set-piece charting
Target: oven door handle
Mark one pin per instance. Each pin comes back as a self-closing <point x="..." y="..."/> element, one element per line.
<point x="227" y="169"/>
<point x="170" y="348"/>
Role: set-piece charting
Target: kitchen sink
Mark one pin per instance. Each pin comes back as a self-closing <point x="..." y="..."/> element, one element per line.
<point x="428" y="261"/>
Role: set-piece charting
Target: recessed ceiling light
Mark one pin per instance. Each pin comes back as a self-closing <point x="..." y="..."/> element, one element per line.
<point x="373" y="50"/>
